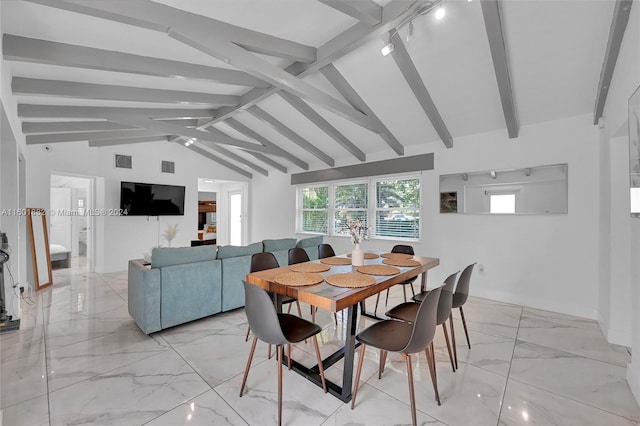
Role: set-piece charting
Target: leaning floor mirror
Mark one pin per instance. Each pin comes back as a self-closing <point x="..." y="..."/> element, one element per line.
<point x="39" y="241"/>
<point x="529" y="190"/>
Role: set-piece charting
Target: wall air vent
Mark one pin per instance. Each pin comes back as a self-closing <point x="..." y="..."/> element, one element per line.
<point x="123" y="161"/>
<point x="168" y="167"/>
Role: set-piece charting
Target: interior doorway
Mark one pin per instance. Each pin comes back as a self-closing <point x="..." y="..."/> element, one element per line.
<point x="235" y="218"/>
<point x="71" y="224"/>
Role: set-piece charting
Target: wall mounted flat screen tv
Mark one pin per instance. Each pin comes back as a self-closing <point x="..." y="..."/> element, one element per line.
<point x="150" y="199"/>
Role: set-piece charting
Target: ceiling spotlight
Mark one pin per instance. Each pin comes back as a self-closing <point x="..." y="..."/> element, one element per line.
<point x="189" y="142"/>
<point x="440" y="13"/>
<point x="493" y="174"/>
<point x="387" y="49"/>
<point x="410" y="31"/>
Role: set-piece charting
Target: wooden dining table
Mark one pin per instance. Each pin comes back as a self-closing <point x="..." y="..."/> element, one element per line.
<point x="334" y="299"/>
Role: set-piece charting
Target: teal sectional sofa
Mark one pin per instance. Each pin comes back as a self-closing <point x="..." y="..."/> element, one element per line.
<point x="183" y="284"/>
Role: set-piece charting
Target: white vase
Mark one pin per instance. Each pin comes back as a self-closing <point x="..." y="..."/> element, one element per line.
<point x="357" y="256"/>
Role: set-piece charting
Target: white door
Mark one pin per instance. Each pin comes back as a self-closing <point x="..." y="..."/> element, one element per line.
<point x="60" y="223"/>
<point x="235" y="218"/>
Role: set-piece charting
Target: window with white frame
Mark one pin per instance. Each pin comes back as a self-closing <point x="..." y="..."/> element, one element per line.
<point x="398" y="208"/>
<point x="391" y="206"/>
<point x="315" y="209"/>
<point x="350" y="203"/>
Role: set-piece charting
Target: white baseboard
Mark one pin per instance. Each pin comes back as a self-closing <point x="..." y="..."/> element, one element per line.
<point x="617" y="336"/>
<point x="633" y="379"/>
<point x="537" y="303"/>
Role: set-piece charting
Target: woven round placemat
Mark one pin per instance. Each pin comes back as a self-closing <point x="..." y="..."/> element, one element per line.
<point x="298" y="279"/>
<point x="401" y="262"/>
<point x="309" y="267"/>
<point x="336" y="261"/>
<point x="367" y="255"/>
<point x="396" y="256"/>
<point x="350" y="280"/>
<point x="378" y="270"/>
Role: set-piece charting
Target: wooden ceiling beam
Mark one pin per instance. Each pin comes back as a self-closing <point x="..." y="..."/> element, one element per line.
<point x="363" y="10"/>
<point x="290" y="134"/>
<point x="342" y="85"/>
<point x="248" y="132"/>
<point x="29" y="128"/>
<point x="264" y="70"/>
<point x="393" y="14"/>
<point x="497" y="45"/>
<point x="168" y="128"/>
<point x="160" y="17"/>
<point x="86" y="136"/>
<point x="67" y="111"/>
<point x="303" y="108"/>
<point x="200" y="150"/>
<point x="126" y="141"/>
<point x="413" y="79"/>
<point x="616" y="34"/>
<point x="34" y="127"/>
<point x="232" y="155"/>
<point x="70" y="89"/>
<point x="23" y="49"/>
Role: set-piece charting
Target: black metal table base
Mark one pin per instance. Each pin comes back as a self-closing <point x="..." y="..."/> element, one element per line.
<point x="347" y="352"/>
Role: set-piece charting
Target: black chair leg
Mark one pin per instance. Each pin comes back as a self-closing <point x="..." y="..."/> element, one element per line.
<point x="464" y="324"/>
<point x="404" y="292"/>
<point x="246" y="339"/>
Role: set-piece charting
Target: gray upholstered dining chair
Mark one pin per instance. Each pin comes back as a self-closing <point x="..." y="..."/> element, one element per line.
<point x="276" y="329"/>
<point x="407" y="312"/>
<point x="405" y="338"/>
<point x="460" y="298"/>
<point x="325" y="250"/>
<point x="299" y="255"/>
<point x="260" y="262"/>
<point x="403" y="249"/>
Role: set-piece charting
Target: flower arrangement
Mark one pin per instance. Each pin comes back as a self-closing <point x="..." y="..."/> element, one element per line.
<point x="358" y="231"/>
<point x="170" y="233"/>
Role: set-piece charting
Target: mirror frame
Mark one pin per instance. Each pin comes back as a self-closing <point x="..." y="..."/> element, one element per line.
<point x="39" y="248"/>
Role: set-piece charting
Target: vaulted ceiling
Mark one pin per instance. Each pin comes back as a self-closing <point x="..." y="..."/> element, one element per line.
<point x="280" y="86"/>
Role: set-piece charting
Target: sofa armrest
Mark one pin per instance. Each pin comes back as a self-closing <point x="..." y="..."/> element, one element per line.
<point x="144" y="296"/>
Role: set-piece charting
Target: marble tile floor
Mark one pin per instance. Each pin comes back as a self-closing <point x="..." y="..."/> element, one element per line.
<point x="79" y="359"/>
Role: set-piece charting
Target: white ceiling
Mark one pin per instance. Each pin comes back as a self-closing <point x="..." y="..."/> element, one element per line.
<point x="555" y="51"/>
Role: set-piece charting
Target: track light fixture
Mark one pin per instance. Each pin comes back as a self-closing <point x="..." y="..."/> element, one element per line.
<point x="410" y="31"/>
<point x="189" y="142"/>
<point x="424" y="9"/>
<point x="387" y="49"/>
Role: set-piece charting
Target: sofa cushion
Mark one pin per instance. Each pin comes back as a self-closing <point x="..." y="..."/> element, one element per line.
<point x="190" y="292"/>
<point x="225" y="252"/>
<point x="310" y="245"/>
<point x="169" y="256"/>
<point x="310" y="242"/>
<point x="279" y="244"/>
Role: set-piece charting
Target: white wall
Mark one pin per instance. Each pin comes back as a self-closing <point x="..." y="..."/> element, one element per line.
<point x="122" y="238"/>
<point x="623" y="286"/>
<point x="541" y="261"/>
